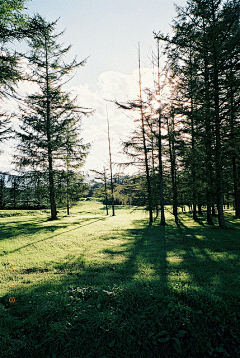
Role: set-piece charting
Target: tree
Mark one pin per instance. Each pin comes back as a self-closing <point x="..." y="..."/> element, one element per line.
<point x="72" y="155"/>
<point x="101" y="189"/>
<point x="2" y="190"/>
<point x="205" y="48"/>
<point x="155" y="123"/>
<point x="49" y="113"/>
<point x="160" y="145"/>
<point x="110" y="167"/>
<point x="13" y="26"/>
<point x="138" y="145"/>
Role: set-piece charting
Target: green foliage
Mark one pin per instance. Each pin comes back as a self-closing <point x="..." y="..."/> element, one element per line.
<point x="12" y="23"/>
<point x="13" y="26"/>
<point x="70" y="186"/>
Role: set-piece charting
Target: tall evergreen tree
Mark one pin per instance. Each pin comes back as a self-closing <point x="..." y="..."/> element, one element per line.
<point x="49" y="112"/>
<point x="13" y="26"/>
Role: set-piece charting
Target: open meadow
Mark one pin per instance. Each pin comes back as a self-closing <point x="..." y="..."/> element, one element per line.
<point x="95" y="286"/>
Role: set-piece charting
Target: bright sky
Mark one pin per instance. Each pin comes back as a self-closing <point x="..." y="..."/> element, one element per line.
<point x="108" y="32"/>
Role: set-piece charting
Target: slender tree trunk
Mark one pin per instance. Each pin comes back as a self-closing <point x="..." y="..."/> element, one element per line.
<point x="2" y="185"/>
<point x="38" y="193"/>
<point x="238" y="189"/>
<point x="236" y="182"/>
<point x="14" y="193"/>
<point x="208" y="141"/>
<point x="219" y="169"/>
<point x="105" y="188"/>
<point x="213" y="210"/>
<point x="227" y="196"/>
<point x="149" y="189"/>
<point x="67" y="165"/>
<point x="233" y="136"/>
<point x="194" y="188"/>
<point x="193" y="150"/>
<point x="51" y="187"/>
<point x="110" y="161"/>
<point x="171" y="140"/>
<point x="200" y="209"/>
<point x="162" y="222"/>
<point x="68" y="206"/>
<point x="49" y="142"/>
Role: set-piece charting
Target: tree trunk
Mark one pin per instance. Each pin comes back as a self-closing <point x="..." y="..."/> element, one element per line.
<point x="219" y="169"/>
<point x="162" y="222"/>
<point x="200" y="209"/>
<point x="149" y="189"/>
<point x="236" y="181"/>
<point x="208" y="140"/>
<point x="105" y="188"/>
<point x="171" y="135"/>
<point x="233" y="136"/>
<point x="2" y="185"/>
<point x="49" y="142"/>
<point x="193" y="151"/>
<point x="194" y="188"/>
<point x="68" y="206"/>
<point x="110" y="162"/>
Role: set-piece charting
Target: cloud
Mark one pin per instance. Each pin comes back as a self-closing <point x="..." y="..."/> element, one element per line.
<point x="109" y="87"/>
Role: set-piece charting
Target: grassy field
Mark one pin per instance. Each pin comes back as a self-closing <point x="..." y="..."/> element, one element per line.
<point x="95" y="286"/>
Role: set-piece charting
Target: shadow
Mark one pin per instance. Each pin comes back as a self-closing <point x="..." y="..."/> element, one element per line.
<point x="197" y="219"/>
<point x="161" y="291"/>
<point x="144" y="255"/>
<point x="33" y="228"/>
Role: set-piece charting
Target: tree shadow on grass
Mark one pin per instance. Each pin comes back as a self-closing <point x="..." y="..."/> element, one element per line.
<point x="14" y="229"/>
<point x="163" y="292"/>
<point x="173" y="257"/>
<point x="210" y="256"/>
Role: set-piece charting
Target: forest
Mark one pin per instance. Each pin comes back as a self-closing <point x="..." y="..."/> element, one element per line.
<point x="186" y="142"/>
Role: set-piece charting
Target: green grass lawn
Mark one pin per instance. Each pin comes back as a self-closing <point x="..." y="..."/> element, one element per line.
<point x="95" y="286"/>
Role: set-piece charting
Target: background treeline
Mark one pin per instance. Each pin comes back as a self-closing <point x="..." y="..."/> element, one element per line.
<point x="131" y="190"/>
<point x="30" y="190"/>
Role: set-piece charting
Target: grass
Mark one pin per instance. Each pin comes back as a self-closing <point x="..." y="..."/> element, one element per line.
<point x="95" y="286"/>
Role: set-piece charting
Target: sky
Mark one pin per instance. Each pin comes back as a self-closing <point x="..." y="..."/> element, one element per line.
<point x="107" y="33"/>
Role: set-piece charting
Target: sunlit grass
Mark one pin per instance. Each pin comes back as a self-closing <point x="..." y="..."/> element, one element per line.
<point x="131" y="273"/>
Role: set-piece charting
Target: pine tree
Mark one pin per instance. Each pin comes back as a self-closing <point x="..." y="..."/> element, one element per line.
<point x="13" y="26"/>
<point x="50" y="112"/>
